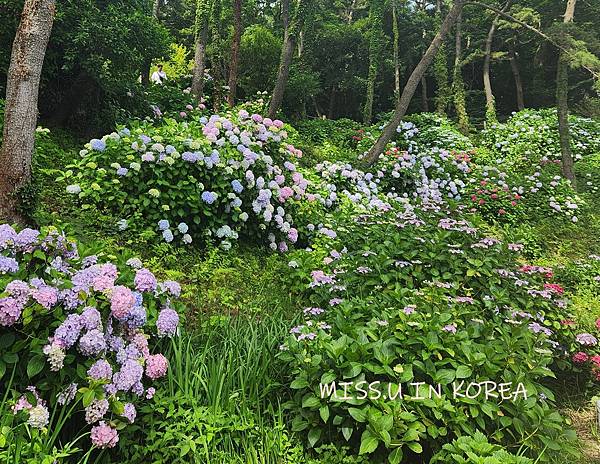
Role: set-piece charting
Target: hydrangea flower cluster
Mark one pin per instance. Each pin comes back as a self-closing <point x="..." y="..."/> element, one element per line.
<point x="219" y="179"/>
<point x="103" y="313"/>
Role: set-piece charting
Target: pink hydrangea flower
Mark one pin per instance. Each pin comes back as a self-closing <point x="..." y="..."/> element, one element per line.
<point x="121" y="301"/>
<point x="104" y="436"/>
<point x="156" y="366"/>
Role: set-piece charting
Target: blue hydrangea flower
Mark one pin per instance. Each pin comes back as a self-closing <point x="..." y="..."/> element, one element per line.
<point x="168" y="236"/>
<point x="163" y="224"/>
<point x="98" y="145"/>
<point x="209" y="197"/>
<point x="237" y="186"/>
<point x="183" y="227"/>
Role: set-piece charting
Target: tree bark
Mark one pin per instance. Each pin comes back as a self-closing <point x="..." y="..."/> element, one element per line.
<point x="458" y="87"/>
<point x="562" y="103"/>
<point x="396" y="51"/>
<point x="424" y="96"/>
<point x="201" y="26"/>
<point x="376" y="27"/>
<point x="413" y="82"/>
<point x="235" y="51"/>
<point x="514" y="66"/>
<point x="440" y="68"/>
<point x="20" y="113"/>
<point x="285" y="61"/>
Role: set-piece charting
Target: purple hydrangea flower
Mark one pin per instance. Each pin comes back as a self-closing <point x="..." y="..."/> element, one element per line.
<point x="167" y="322"/>
<point x="131" y="373"/>
<point x="8" y="265"/>
<point x="68" y="332"/>
<point x="92" y="343"/>
<point x="145" y="281"/>
<point x="129" y="412"/>
<point x="209" y="197"/>
<point x="100" y="370"/>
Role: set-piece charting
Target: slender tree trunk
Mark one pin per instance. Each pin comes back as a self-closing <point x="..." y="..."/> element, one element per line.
<point x="20" y="113"/>
<point x="285" y="61"/>
<point x="375" y="41"/>
<point x="441" y="71"/>
<point x="331" y="103"/>
<point x="458" y="87"/>
<point x="562" y="103"/>
<point x="514" y="66"/>
<point x="413" y="82"/>
<point x="490" y="103"/>
<point x="396" y="51"/>
<point x="424" y="96"/>
<point x="235" y="50"/>
<point x="203" y="8"/>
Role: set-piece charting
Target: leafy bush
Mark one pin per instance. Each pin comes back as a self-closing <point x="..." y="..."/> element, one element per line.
<point x="416" y="296"/>
<point x="476" y="450"/>
<point x="531" y="136"/>
<point x="72" y="328"/>
<point x="211" y="179"/>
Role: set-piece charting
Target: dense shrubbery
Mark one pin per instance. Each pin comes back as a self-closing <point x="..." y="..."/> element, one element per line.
<point x="531" y="137"/>
<point x="204" y="179"/>
<point x="423" y="298"/>
<point x="75" y="329"/>
<point x="476" y="450"/>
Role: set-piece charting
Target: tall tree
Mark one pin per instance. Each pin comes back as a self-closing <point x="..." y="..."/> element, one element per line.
<point x="20" y="114"/>
<point x="413" y="81"/>
<point x="235" y="50"/>
<point x="458" y="86"/>
<point x="440" y="70"/>
<point x="562" y="102"/>
<point x="203" y="8"/>
<point x="396" y="32"/>
<point x="292" y="24"/>
<point x="514" y="67"/>
<point x="375" y="52"/>
<point x="490" y="102"/>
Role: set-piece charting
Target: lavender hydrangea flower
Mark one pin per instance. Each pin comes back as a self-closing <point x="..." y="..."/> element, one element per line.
<point x="163" y="224"/>
<point x="68" y="332"/>
<point x="145" y="281"/>
<point x="98" y="145"/>
<point x="171" y="287"/>
<point x="91" y="318"/>
<point x="586" y="339"/>
<point x="92" y="343"/>
<point x="131" y="372"/>
<point x="8" y="265"/>
<point x="167" y="322"/>
<point x="129" y="412"/>
<point x="100" y="370"/>
<point x="237" y="186"/>
<point x="67" y="395"/>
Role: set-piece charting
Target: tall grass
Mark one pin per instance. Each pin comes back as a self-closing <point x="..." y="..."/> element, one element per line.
<point x="222" y="400"/>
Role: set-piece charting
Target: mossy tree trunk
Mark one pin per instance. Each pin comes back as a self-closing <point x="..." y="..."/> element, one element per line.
<point x="562" y="103"/>
<point x="440" y="68"/>
<point x="203" y="8"/>
<point x="396" y="33"/>
<point x="458" y="87"/>
<point x="21" y="110"/>
<point x="375" y="51"/>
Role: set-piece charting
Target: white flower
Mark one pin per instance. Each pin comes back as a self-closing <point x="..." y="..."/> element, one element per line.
<point x="74" y="189"/>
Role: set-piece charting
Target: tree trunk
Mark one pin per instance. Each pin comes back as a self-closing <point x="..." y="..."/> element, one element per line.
<point x="156" y="8"/>
<point x="441" y="71"/>
<point x="413" y="82"/>
<point x="562" y="103"/>
<point x="424" y="97"/>
<point x="376" y="27"/>
<point x="396" y="51"/>
<point x="235" y="50"/>
<point x="514" y="66"/>
<point x="331" y="103"/>
<point x="285" y="61"/>
<point x="490" y="104"/>
<point x="20" y="113"/>
<point x="201" y="26"/>
<point x="458" y="87"/>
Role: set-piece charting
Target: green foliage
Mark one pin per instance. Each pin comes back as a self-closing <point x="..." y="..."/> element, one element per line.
<point x="452" y="328"/>
<point x="259" y="58"/>
<point x="204" y="189"/>
<point x="476" y="450"/>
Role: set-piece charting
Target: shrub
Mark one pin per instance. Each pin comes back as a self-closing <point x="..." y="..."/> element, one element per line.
<point x="78" y="329"/>
<point x="207" y="179"/>
<point x="411" y="296"/>
<point x="531" y="136"/>
<point x="476" y="450"/>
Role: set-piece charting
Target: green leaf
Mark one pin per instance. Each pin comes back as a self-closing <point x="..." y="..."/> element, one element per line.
<point x="35" y="365"/>
<point x="368" y="443"/>
<point x="324" y="413"/>
<point x="416" y="447"/>
<point x="313" y="436"/>
<point x="358" y="415"/>
<point x="395" y="456"/>
<point x="463" y="372"/>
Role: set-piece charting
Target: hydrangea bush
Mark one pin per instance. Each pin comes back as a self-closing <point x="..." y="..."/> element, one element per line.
<point x="418" y="295"/>
<point x="207" y="179"/>
<point x="76" y="328"/>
